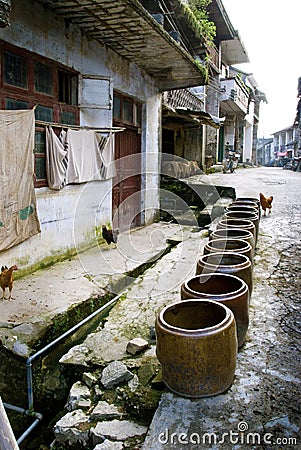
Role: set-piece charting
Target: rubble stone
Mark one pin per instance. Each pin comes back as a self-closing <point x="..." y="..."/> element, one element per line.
<point x="136" y="345"/>
<point x="105" y="411"/>
<point x="79" y="393"/>
<point x="114" y="374"/>
<point x="109" y="445"/>
<point x="73" y="428"/>
<point x="117" y="430"/>
<point x="133" y="383"/>
<point x="89" y="379"/>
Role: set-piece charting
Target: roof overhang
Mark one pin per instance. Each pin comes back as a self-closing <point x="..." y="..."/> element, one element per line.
<point x="192" y="116"/>
<point x="130" y="30"/>
<point x="234" y="51"/>
<point x="218" y="15"/>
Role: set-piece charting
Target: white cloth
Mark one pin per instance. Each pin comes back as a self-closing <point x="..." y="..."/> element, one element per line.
<point x="78" y="156"/>
<point x="56" y="159"/>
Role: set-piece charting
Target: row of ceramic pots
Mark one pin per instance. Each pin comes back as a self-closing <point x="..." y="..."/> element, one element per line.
<point x="198" y="337"/>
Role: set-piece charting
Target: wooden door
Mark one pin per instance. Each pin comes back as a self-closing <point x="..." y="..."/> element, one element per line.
<point x="127" y="183"/>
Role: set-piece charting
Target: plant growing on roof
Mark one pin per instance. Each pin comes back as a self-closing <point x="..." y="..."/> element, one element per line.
<point x="197" y="15"/>
<point x="196" y="12"/>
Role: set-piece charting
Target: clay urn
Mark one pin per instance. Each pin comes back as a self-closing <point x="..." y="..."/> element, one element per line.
<point x="253" y="204"/>
<point x="243" y="224"/>
<point x="197" y="347"/>
<point x="229" y="245"/>
<point x="252" y="216"/>
<point x="229" y="263"/>
<point x="226" y="289"/>
<point x="250" y="200"/>
<point x="234" y="233"/>
<point x="242" y="207"/>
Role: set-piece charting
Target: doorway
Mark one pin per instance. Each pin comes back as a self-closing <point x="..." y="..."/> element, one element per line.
<point x="126" y="196"/>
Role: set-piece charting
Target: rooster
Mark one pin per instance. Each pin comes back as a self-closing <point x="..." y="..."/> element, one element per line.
<point x="6" y="280"/>
<point x="266" y="203"/>
<point x="110" y="236"/>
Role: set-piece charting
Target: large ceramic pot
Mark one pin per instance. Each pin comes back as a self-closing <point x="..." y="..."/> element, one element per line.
<point x="253" y="204"/>
<point x="226" y="289"/>
<point x="197" y="347"/>
<point x="242" y="207"/>
<point x="243" y="224"/>
<point x="229" y="263"/>
<point x="234" y="233"/>
<point x="229" y="245"/>
<point x="253" y="217"/>
<point x="250" y="200"/>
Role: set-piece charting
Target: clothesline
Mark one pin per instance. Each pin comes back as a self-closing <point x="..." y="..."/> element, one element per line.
<point x="80" y="127"/>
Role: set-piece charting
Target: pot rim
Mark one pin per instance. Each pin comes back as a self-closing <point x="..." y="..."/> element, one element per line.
<point x="225" y="296"/>
<point x="246" y="222"/>
<point x="242" y="200"/>
<point x="251" y="199"/>
<point x="249" y="205"/>
<point x="254" y="215"/>
<point x="229" y="317"/>
<point x="247" y="245"/>
<point x="244" y="230"/>
<point x="245" y="263"/>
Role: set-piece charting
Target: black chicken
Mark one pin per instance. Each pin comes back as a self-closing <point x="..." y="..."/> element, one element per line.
<point x="110" y="236"/>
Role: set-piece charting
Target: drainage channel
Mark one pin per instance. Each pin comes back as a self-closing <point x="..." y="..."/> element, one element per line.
<point x="60" y="343"/>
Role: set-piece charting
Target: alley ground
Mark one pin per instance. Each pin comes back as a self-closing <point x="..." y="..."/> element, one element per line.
<point x="262" y="408"/>
<point x="264" y="400"/>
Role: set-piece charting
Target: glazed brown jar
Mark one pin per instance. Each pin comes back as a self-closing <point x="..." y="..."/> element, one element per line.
<point x="254" y="204"/>
<point x="250" y="200"/>
<point x="197" y="347"/>
<point x="234" y="233"/>
<point x="226" y="289"/>
<point x="253" y="217"/>
<point x="229" y="245"/>
<point x="229" y="263"/>
<point x="244" y="224"/>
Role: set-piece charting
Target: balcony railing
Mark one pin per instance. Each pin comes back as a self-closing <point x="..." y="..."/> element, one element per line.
<point x="182" y="98"/>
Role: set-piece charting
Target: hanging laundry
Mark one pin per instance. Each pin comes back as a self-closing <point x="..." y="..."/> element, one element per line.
<point x="78" y="156"/>
<point x="56" y="159"/>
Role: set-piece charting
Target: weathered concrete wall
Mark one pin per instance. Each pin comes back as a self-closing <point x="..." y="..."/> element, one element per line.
<point x="65" y="220"/>
<point x="193" y="144"/>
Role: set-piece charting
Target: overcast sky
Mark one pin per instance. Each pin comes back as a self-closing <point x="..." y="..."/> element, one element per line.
<point x="271" y="33"/>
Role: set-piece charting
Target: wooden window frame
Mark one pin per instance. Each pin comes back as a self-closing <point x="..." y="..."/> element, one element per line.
<point x="33" y="98"/>
<point x="136" y="111"/>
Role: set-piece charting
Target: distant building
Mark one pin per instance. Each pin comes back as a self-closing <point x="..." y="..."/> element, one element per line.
<point x="297" y="122"/>
<point x="265" y="155"/>
<point x="286" y="143"/>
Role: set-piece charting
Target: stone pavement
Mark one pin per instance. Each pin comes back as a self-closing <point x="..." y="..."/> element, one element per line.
<point x="41" y="296"/>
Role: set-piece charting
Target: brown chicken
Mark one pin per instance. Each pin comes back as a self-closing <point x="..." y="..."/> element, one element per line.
<point x="6" y="280"/>
<point x="266" y="203"/>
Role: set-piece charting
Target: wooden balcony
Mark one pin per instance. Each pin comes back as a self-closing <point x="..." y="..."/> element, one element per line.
<point x="182" y="98"/>
<point x="234" y="95"/>
<point x="130" y="30"/>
